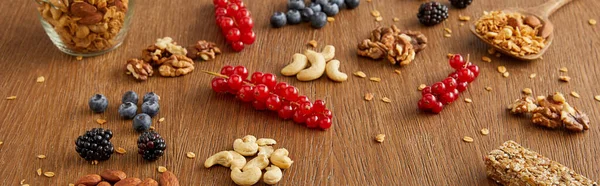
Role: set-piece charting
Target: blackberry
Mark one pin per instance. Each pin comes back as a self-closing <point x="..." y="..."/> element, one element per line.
<point x="151" y="145"/>
<point x="461" y="3"/>
<point x="95" y="144"/>
<point x="432" y="13"/>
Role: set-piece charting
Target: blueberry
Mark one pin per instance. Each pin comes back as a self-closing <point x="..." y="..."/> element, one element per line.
<point x="321" y="2"/>
<point x="319" y="20"/>
<point x="127" y="110"/>
<point x="295" y="5"/>
<point x="316" y="7"/>
<point x="351" y="4"/>
<point x="278" y="20"/>
<point x="98" y="103"/>
<point x="142" y="122"/>
<point x="151" y="96"/>
<point x="306" y="14"/>
<point x="151" y="108"/>
<point x="331" y="9"/>
<point x="340" y="3"/>
<point x="130" y="96"/>
<point x="293" y="17"/>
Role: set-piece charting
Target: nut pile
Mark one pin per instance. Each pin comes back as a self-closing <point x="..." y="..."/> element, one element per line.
<point x="521" y="35"/>
<point x="119" y="178"/>
<point x="320" y="63"/>
<point x="249" y="172"/>
<point x="86" y="25"/>
<point x="551" y="111"/>
<point x="235" y="22"/>
<point x="399" y="47"/>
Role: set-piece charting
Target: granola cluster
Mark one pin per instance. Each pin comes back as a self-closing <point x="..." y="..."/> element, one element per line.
<point x="398" y="47"/>
<point x="164" y="54"/>
<point x="552" y="112"/>
<point x="86" y="25"/>
<point x="521" y="35"/>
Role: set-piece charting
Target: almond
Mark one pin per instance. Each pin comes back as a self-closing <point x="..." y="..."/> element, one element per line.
<point x="103" y="183"/>
<point x="89" y="180"/>
<point x="83" y="9"/>
<point x="515" y="22"/>
<point x="119" y="5"/>
<point x="532" y="21"/>
<point x="546" y="30"/>
<point x="148" y="182"/>
<point x="113" y="175"/>
<point x="91" y="19"/>
<point x="168" y="179"/>
<point x="129" y="182"/>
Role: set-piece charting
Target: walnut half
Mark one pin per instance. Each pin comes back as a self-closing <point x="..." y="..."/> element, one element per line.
<point x="544" y="116"/>
<point x="139" y="69"/>
<point x="522" y="106"/>
<point x="204" y="50"/>
<point x="176" y="65"/>
<point x="574" y="120"/>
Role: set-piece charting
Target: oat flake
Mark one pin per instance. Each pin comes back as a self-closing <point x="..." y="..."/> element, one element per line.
<point x="79" y="58"/>
<point x="527" y="91"/>
<point x="161" y="120"/>
<point x="531" y="76"/>
<point x="22" y="181"/>
<point x="41" y="156"/>
<point x="368" y="96"/>
<point x="397" y="71"/>
<point x="506" y="74"/>
<point x="39" y="171"/>
<point x="375" y="13"/>
<point x="40" y="79"/>
<point x="379" y="19"/>
<point x="575" y="94"/>
<point x="501" y="69"/>
<point x="101" y="121"/>
<point x="360" y="74"/>
<point x="330" y="19"/>
<point x="312" y="43"/>
<point x="190" y="155"/>
<point x="597" y="98"/>
<point x="386" y="100"/>
<point x="448" y="30"/>
<point x="468" y="139"/>
<point x="11" y="97"/>
<point x="592" y="22"/>
<point x="421" y="87"/>
<point x="564" y="78"/>
<point x="486" y="59"/>
<point x="488" y="88"/>
<point x="464" y="18"/>
<point x="380" y="137"/>
<point x="447" y="35"/>
<point x="485" y="131"/>
<point x="120" y="150"/>
<point x="162" y="169"/>
<point x="396" y="19"/>
<point x="375" y="79"/>
<point x="94" y="162"/>
<point x="49" y="174"/>
<point x="563" y="69"/>
<point x="468" y="100"/>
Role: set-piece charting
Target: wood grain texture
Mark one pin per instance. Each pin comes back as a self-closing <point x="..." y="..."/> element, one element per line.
<point x="420" y="149"/>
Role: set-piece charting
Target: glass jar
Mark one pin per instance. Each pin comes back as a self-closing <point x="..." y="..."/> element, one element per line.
<point x="86" y="27"/>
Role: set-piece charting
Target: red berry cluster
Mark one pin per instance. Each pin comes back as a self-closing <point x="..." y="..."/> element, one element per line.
<point x="265" y="93"/>
<point x="235" y="22"/>
<point x="447" y="91"/>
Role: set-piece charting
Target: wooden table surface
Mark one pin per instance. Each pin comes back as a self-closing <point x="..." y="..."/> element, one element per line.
<point x="420" y="148"/>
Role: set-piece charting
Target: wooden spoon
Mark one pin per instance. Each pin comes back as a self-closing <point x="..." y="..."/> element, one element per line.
<point x="542" y="12"/>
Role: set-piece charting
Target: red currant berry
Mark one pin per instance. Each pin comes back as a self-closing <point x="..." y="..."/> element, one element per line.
<point x="324" y="123"/>
<point x="259" y="105"/>
<point x="261" y="92"/>
<point x="237" y="46"/>
<point x="438" y="88"/>
<point x="234" y="1"/>
<point x="290" y="93"/>
<point x="448" y="98"/>
<point x="241" y="70"/>
<point x="302" y="99"/>
<point x="453" y="75"/>
<point x="319" y="106"/>
<point x="242" y="12"/>
<point x="246" y="93"/>
<point x="227" y="70"/>
<point x="273" y="102"/>
<point x="235" y="82"/>
<point x="455" y="91"/>
<point x="220" y="12"/>
<point x="465" y="75"/>
<point x="423" y="105"/>
<point x="327" y="113"/>
<point x="437" y="107"/>
<point x="256" y="78"/>
<point x="428" y="101"/>
<point x="245" y="24"/>
<point x="280" y="88"/>
<point x="219" y="84"/>
<point x="426" y="90"/>
<point x="312" y="121"/>
<point x="232" y="9"/>
<point x="241" y="4"/>
<point x="233" y="35"/>
<point x="474" y="69"/>
<point x="220" y="3"/>
<point x="286" y="112"/>
<point x="306" y="108"/>
<point x="298" y="117"/>
<point x="270" y="80"/>
<point x="248" y="37"/>
<point x="450" y="83"/>
<point x="457" y="61"/>
<point x="226" y="23"/>
<point x="462" y="86"/>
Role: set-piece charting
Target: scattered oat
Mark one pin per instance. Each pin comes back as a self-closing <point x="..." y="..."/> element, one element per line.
<point x="120" y="150"/>
<point x="39" y="171"/>
<point x="462" y="24"/>
<point x="527" y="91"/>
<point x="79" y="58"/>
<point x="312" y="43"/>
<point x="379" y="19"/>
<point x="531" y="76"/>
<point x="397" y="71"/>
<point x="486" y="59"/>
<point x="386" y="100"/>
<point x="1" y="142"/>
<point x="421" y="87"/>
<point x="161" y="120"/>
<point x="25" y="185"/>
<point x="375" y="79"/>
<point x="22" y="181"/>
<point x="190" y="155"/>
<point x="101" y="121"/>
<point x="40" y="79"/>
<point x="11" y="97"/>
<point x="152" y="128"/>
<point x="447" y="35"/>
<point x="488" y="88"/>
<point x="501" y="69"/>
<point x="485" y="131"/>
<point x="49" y="174"/>
<point x="498" y="54"/>
<point x="563" y="69"/>
<point x="162" y="169"/>
<point x="597" y="98"/>
<point x="368" y="96"/>
<point x="592" y="22"/>
<point x="448" y="30"/>
<point x="375" y="13"/>
<point x="380" y="137"/>
<point x="506" y="74"/>
<point x="468" y="100"/>
<point x="491" y="51"/>
<point x="564" y="78"/>
<point x="449" y="55"/>
<point x="41" y="156"/>
<point x="468" y="139"/>
<point x="330" y="19"/>
<point x="94" y="162"/>
<point x="360" y="74"/>
<point x="464" y="18"/>
<point x="396" y="19"/>
<point x="575" y="94"/>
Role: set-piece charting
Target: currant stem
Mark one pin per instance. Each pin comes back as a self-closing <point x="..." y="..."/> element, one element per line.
<point x="215" y="74"/>
<point x="467" y="62"/>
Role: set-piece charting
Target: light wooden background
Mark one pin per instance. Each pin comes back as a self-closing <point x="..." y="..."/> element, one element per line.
<point x="420" y="149"/>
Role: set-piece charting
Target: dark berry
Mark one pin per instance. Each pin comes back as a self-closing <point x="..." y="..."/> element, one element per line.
<point x="461" y="3"/>
<point x="351" y="4"/>
<point x="95" y="145"/>
<point x="306" y="14"/>
<point x="340" y="3"/>
<point x="151" y="145"/>
<point x="142" y="122"/>
<point x="98" y="103"/>
<point x="127" y="110"/>
<point x="130" y="96"/>
<point x="319" y="20"/>
<point x="432" y="13"/>
<point x="151" y="96"/>
<point x="331" y="9"/>
<point x="151" y="108"/>
<point x="321" y="2"/>
<point x="293" y="17"/>
<point x="296" y="5"/>
<point x="316" y="7"/>
<point x="278" y="20"/>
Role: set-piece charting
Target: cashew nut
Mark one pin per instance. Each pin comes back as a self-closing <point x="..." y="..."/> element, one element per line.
<point x="265" y="142"/>
<point x="328" y="52"/>
<point x="333" y="71"/>
<point x="261" y="161"/>
<point x="280" y="158"/>
<point x="246" y="146"/>
<point x="273" y="175"/>
<point x="238" y="161"/>
<point x="266" y="150"/>
<point x="299" y="63"/>
<point x="250" y="176"/>
<point x="316" y="69"/>
<point x="222" y="158"/>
